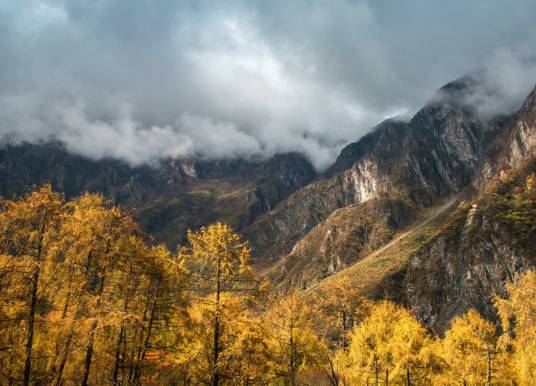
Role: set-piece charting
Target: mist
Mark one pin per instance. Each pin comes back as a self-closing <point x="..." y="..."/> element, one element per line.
<point x="145" y="80"/>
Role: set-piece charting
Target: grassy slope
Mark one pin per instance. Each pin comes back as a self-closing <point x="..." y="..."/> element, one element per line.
<point x="347" y="235"/>
<point x="371" y="276"/>
<point x="203" y="203"/>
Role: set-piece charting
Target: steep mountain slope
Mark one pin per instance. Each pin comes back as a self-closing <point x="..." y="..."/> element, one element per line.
<point x="379" y="274"/>
<point x="490" y="240"/>
<point x="460" y="255"/>
<point x="513" y="144"/>
<point x="480" y="247"/>
<point x="167" y="198"/>
<point x="433" y="155"/>
<point x="346" y="235"/>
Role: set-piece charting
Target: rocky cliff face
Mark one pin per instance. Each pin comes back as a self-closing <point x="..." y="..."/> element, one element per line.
<point x="348" y="234"/>
<point x="490" y="238"/>
<point x="456" y="256"/>
<point x="484" y="244"/>
<point x="513" y="144"/>
<point x="433" y="155"/>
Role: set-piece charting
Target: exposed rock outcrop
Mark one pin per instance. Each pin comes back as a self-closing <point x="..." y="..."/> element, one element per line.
<point x="482" y="246"/>
<point x="346" y="235"/>
<point x="485" y="243"/>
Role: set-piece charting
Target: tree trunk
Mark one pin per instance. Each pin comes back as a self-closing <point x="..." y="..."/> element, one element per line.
<point x="33" y="304"/>
<point x="376" y="371"/>
<point x="386" y="377"/>
<point x="292" y="369"/>
<point x="292" y="344"/>
<point x="30" y="333"/>
<point x="115" y="381"/>
<point x="89" y="354"/>
<point x="134" y="363"/>
<point x="63" y="361"/>
<point x="91" y="342"/>
<point x="334" y="378"/>
<point x="216" y="351"/>
<point x="488" y="367"/>
<point x="121" y="329"/>
<point x="139" y="365"/>
<point x="131" y="366"/>
<point x="123" y="358"/>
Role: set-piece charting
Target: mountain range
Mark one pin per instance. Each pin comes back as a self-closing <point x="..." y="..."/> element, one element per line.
<point x="423" y="211"/>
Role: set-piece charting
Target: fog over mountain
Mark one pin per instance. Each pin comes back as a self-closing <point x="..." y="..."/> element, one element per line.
<point x="142" y="80"/>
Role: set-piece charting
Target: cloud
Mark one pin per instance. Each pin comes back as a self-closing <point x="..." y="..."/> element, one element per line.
<point x="140" y="80"/>
<point x="508" y="77"/>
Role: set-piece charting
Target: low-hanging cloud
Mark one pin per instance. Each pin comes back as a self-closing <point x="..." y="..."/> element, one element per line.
<point x="143" y="80"/>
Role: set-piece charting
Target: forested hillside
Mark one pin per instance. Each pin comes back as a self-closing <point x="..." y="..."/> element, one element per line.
<point x="87" y="300"/>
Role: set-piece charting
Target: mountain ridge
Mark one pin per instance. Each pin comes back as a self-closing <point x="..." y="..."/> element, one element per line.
<point x="380" y="206"/>
<point x="196" y="191"/>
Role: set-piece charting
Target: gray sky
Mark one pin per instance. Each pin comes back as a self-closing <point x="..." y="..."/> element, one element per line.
<point x="141" y="80"/>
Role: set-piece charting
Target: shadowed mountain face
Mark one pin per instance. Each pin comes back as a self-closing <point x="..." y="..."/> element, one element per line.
<point x="376" y="217"/>
<point x="169" y="198"/>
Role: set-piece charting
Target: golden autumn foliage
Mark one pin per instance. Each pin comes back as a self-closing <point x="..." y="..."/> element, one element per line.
<point x="387" y="346"/>
<point x="228" y="346"/>
<point x="293" y="342"/>
<point x="87" y="299"/>
<point x="518" y="316"/>
<point x="471" y="353"/>
<point x="81" y="292"/>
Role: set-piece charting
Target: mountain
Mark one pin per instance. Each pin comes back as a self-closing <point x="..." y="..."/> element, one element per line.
<point x="435" y="212"/>
<point x="460" y="252"/>
<point x="489" y="239"/>
<point x="168" y="198"/>
<point x="434" y="155"/>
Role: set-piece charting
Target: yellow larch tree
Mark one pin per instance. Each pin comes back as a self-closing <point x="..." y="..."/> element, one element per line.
<point x="294" y="344"/>
<point x="386" y="347"/>
<point x="28" y="236"/>
<point x="335" y="311"/>
<point x="218" y="264"/>
<point x="472" y="354"/>
<point x="518" y="317"/>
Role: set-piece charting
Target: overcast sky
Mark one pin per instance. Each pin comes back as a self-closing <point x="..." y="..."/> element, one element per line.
<point x="141" y="80"/>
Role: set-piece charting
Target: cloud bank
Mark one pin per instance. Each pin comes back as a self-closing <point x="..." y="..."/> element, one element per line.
<point x="143" y="80"/>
